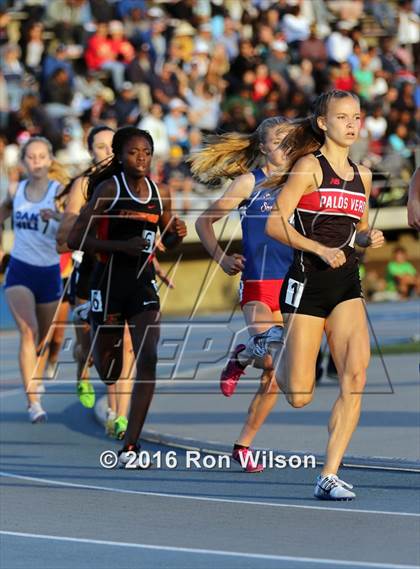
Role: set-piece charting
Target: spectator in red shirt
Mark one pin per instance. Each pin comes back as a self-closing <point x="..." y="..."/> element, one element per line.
<point x="263" y="82"/>
<point x="100" y="55"/>
<point x="343" y="78"/>
<point x="122" y="48"/>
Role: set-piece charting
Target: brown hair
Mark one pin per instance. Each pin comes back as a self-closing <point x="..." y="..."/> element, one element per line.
<point x="90" y="140"/>
<point x="305" y="136"/>
<point x="112" y="165"/>
<point x="231" y="154"/>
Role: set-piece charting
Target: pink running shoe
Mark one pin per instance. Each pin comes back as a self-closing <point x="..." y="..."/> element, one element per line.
<point x="247" y="460"/>
<point x="232" y="372"/>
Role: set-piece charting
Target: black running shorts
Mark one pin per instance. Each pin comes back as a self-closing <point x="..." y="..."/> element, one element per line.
<point x="82" y="276"/>
<point x="119" y="294"/>
<point x="317" y="293"/>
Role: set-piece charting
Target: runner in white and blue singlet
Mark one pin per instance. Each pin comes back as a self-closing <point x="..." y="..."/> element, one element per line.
<point x="33" y="282"/>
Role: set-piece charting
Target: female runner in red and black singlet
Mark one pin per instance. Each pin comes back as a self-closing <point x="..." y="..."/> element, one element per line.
<point x="327" y="196"/>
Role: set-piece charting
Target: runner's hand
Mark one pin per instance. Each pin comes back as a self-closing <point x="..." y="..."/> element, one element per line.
<point x="47" y="214"/>
<point x="233" y="264"/>
<point x="133" y="246"/>
<point x="166" y="280"/>
<point x="333" y="256"/>
<point x="370" y="238"/>
<point x="178" y="227"/>
<point x="377" y="238"/>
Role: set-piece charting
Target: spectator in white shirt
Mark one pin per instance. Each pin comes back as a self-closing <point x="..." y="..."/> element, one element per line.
<point x="295" y="26"/>
<point x="204" y="103"/>
<point x="408" y="24"/>
<point x="339" y="44"/>
<point x="153" y="123"/>
<point x="376" y="123"/>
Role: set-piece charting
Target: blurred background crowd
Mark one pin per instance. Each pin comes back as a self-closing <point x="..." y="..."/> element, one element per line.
<point x="182" y="69"/>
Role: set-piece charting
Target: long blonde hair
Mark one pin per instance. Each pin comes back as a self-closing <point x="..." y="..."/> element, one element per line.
<point x="231" y="154"/>
<point x="59" y="173"/>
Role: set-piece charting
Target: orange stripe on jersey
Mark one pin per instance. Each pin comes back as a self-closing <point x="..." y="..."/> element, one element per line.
<point x="139" y="215"/>
<point x="66" y="264"/>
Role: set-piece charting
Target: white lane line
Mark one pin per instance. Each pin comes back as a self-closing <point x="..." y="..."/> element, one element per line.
<point x="10" y="392"/>
<point x="336" y="562"/>
<point x="200" y="498"/>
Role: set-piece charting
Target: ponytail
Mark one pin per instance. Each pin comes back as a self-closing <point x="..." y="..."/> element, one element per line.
<point x="225" y="155"/>
<point x="231" y="154"/>
<point x="102" y="171"/>
<point x="305" y="136"/>
<point x="58" y="173"/>
<point x="86" y="173"/>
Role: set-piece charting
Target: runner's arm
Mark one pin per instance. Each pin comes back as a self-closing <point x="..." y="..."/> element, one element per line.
<point x="302" y="179"/>
<point x="76" y="200"/>
<point x="83" y="233"/>
<point x="172" y="229"/>
<point x="6" y="209"/>
<point x="413" y="206"/>
<point x="238" y="191"/>
<point x="299" y="182"/>
<point x="366" y="236"/>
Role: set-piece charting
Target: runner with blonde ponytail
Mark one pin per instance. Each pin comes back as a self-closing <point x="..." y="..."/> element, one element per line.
<point x="250" y="160"/>
<point x="227" y="155"/>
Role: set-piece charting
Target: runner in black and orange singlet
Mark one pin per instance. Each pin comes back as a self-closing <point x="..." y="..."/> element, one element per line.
<point x="119" y="225"/>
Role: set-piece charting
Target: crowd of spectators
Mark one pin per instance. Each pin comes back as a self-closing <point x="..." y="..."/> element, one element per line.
<point x="182" y="69"/>
<point x="400" y="279"/>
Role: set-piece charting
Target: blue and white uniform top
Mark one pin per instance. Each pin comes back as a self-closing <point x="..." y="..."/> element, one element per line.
<point x="34" y="238"/>
<point x="266" y="258"/>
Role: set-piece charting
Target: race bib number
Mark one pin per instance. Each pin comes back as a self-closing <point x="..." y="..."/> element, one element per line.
<point x="294" y="292"/>
<point x="149" y="236"/>
<point x="96" y="301"/>
<point x="241" y="291"/>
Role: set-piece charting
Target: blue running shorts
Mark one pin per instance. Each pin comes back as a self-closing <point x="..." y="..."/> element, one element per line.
<point x="44" y="282"/>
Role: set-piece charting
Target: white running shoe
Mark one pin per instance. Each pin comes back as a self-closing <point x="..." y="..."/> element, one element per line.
<point x="81" y="312"/>
<point x="110" y="422"/>
<point x="50" y="370"/>
<point x="260" y="344"/>
<point x="128" y="458"/>
<point x="37" y="413"/>
<point x="128" y="455"/>
<point x="330" y="487"/>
